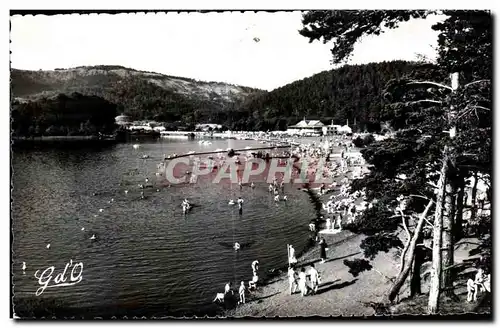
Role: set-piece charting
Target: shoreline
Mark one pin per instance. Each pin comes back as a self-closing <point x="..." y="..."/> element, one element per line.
<point x="272" y="296"/>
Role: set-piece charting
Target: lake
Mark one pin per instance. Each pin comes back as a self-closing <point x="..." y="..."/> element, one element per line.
<point x="147" y="258"/>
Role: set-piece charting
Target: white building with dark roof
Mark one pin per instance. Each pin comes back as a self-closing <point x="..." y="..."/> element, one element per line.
<point x="313" y="127"/>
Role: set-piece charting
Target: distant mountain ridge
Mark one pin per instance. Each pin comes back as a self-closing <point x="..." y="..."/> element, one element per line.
<point x="351" y="93"/>
<point x="138" y="93"/>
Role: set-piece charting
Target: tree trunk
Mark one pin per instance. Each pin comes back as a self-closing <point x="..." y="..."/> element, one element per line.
<point x="473" y="198"/>
<point x="401" y="278"/>
<point x="415" y="283"/>
<point x="448" y="244"/>
<point x="435" y="288"/>
<point x="459" y="215"/>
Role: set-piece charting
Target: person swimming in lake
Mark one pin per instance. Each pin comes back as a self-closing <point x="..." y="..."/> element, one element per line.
<point x="240" y="204"/>
<point x="322" y="189"/>
<point x="252" y="185"/>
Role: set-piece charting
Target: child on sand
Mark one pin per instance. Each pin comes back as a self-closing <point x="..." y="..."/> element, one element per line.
<point x="253" y="283"/>
<point x="242" y="293"/>
<point x="292" y="280"/>
<point x="302" y="282"/>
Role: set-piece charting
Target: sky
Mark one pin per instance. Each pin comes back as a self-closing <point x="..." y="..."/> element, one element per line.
<point x="208" y="47"/>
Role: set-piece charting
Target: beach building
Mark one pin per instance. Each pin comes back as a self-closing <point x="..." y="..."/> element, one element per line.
<point x="123" y="120"/>
<point x="331" y="129"/>
<point x="147" y="126"/>
<point x="208" y="127"/>
<point x="306" y="127"/>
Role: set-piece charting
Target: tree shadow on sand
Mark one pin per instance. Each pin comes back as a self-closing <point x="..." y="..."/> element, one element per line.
<point x="332" y="286"/>
<point x="259" y="299"/>
<point x="328" y="260"/>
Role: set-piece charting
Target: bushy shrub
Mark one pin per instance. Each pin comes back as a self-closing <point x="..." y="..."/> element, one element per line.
<point x="363" y="142"/>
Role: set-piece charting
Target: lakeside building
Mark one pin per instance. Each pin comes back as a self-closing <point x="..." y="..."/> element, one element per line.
<point x="305" y="127"/>
<point x="331" y="129"/>
<point x="146" y="126"/>
<point x="208" y="127"/>
<point x="123" y="120"/>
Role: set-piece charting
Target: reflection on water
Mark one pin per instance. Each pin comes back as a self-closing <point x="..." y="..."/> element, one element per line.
<point x="146" y="253"/>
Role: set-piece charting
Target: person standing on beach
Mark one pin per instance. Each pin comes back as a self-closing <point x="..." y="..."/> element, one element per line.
<point x="314" y="275"/>
<point x="292" y="259"/>
<point x="323" y="247"/>
<point x="292" y="280"/>
<point x="302" y="282"/>
<point x="227" y="289"/>
<point x="255" y="266"/>
<point x="242" y="293"/>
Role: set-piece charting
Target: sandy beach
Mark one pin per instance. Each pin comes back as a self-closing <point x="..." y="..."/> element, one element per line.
<point x="339" y="292"/>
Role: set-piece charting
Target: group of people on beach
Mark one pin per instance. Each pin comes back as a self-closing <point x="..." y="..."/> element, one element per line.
<point x="298" y="279"/>
<point x="243" y="289"/>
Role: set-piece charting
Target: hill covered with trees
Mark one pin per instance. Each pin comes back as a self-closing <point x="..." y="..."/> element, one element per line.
<point x="351" y="92"/>
<point x="62" y="115"/>
<point x="141" y="95"/>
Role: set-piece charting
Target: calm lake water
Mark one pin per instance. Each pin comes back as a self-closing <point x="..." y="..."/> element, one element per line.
<point x="147" y="256"/>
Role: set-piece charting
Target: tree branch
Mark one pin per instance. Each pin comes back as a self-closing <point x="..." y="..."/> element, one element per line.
<point x="481" y="107"/>
<point x="403" y="254"/>
<point x="431" y="83"/>
<point x="475" y="82"/>
<point x="419" y="196"/>
<point x="423" y="245"/>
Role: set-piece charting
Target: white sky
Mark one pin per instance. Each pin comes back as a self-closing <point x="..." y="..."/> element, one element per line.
<point x="208" y="47"/>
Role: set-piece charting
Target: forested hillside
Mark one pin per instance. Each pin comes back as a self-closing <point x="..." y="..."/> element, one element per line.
<point x="347" y="93"/>
<point x="351" y="93"/>
<point x="142" y="95"/>
<point x="62" y="115"/>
